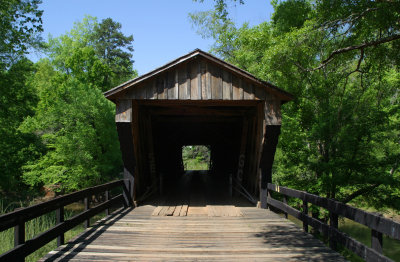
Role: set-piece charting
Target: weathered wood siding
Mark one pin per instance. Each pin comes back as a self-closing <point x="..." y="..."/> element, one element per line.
<point x="198" y="80"/>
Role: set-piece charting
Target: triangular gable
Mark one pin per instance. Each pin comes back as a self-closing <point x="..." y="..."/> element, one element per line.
<point x="198" y="76"/>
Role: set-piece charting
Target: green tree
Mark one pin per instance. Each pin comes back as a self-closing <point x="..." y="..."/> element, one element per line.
<point x="115" y="50"/>
<point x="340" y="135"/>
<point x="20" y="24"/>
<point x="17" y="101"/>
<point x="74" y="120"/>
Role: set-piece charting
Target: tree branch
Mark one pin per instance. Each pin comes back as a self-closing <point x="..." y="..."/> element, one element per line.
<point x="354" y="47"/>
<point x="360" y="192"/>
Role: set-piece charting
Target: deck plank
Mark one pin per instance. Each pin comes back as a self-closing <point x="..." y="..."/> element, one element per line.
<point x="254" y="235"/>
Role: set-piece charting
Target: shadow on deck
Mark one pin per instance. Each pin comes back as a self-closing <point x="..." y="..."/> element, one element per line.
<point x="139" y="235"/>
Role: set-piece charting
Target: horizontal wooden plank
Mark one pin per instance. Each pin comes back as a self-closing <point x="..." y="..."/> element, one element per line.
<point x="355" y="246"/>
<point x="13" y="218"/>
<point x="373" y="221"/>
<point x="42" y="239"/>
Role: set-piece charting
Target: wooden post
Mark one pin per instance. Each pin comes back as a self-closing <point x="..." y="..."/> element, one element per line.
<point x="86" y="202"/>
<point x="19" y="237"/>
<point x="107" y="195"/>
<point x="285" y="202"/>
<point x="19" y="234"/>
<point x="305" y="213"/>
<point x="124" y="122"/>
<point x="333" y="222"/>
<point x="376" y="240"/>
<point x="267" y="158"/>
<point x="60" y="219"/>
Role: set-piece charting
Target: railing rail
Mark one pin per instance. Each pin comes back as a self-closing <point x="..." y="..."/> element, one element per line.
<point x="378" y="224"/>
<point x="17" y="219"/>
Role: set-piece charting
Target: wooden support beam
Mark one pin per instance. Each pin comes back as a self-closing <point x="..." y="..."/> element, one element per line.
<point x="123" y="112"/>
<point x="272" y="119"/>
<point x="127" y="150"/>
<point x="267" y="158"/>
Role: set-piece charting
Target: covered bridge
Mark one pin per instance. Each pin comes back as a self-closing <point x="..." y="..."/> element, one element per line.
<point x="197" y="99"/>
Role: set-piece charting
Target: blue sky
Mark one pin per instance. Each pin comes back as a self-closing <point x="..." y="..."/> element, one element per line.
<point x="161" y="28"/>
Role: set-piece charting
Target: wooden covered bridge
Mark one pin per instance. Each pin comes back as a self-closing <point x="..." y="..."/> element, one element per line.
<point x="169" y="214"/>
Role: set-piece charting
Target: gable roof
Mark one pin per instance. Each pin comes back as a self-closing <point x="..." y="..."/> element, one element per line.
<point x="283" y="95"/>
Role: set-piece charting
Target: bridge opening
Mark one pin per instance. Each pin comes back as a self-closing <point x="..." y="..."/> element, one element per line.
<point x="196" y="157"/>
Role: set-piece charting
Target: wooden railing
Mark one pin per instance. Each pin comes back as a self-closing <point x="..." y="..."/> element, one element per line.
<point x="17" y="219"/>
<point x="378" y="224"/>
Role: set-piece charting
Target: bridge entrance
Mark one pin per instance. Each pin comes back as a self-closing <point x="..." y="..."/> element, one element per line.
<point x="197" y="99"/>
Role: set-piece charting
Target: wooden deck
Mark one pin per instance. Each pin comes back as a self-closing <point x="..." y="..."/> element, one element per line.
<point x="210" y="226"/>
<point x="136" y="235"/>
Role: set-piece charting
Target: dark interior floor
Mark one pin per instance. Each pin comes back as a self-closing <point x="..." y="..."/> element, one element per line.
<point x="198" y="188"/>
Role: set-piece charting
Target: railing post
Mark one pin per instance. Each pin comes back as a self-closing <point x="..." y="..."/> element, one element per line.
<point x="305" y="214"/>
<point x="19" y="236"/>
<point x="285" y="202"/>
<point x="60" y="219"/>
<point x="107" y="195"/>
<point x="333" y="223"/>
<point x="86" y="202"/>
<point x="376" y="240"/>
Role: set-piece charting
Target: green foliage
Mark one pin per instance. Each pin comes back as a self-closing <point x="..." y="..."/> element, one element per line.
<point x="340" y="136"/>
<point x="74" y="120"/>
<point x="196" y="157"/>
<point x="115" y="50"/>
<point x="290" y="14"/>
<point x="17" y="101"/>
<point x="20" y="22"/>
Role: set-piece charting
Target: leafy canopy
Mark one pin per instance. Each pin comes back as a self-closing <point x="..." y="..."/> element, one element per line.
<point x="340" y="136"/>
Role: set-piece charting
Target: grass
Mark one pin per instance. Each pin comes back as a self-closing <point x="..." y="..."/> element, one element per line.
<point x="194" y="164"/>
<point x="41" y="224"/>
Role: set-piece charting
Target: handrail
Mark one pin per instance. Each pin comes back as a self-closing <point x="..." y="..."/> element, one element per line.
<point x="378" y="224"/>
<point x="17" y="219"/>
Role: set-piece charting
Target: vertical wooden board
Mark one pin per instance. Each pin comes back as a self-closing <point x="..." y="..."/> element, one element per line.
<point x="216" y="83"/>
<point x="188" y="81"/>
<point x="133" y="93"/>
<point x="241" y="92"/>
<point x="165" y="83"/>
<point x="182" y="82"/>
<point x="176" y="87"/>
<point x="260" y="92"/>
<point x="226" y="85"/>
<point x="123" y="112"/>
<point x="203" y="72"/>
<point x="160" y="87"/>
<point x="235" y="88"/>
<point x="195" y="84"/>
<point x="142" y="90"/>
<point x="171" y="84"/>
<point x="248" y="90"/>
<point x="208" y="82"/>
<point x="151" y="91"/>
<point x="272" y="111"/>
<point x="252" y="90"/>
